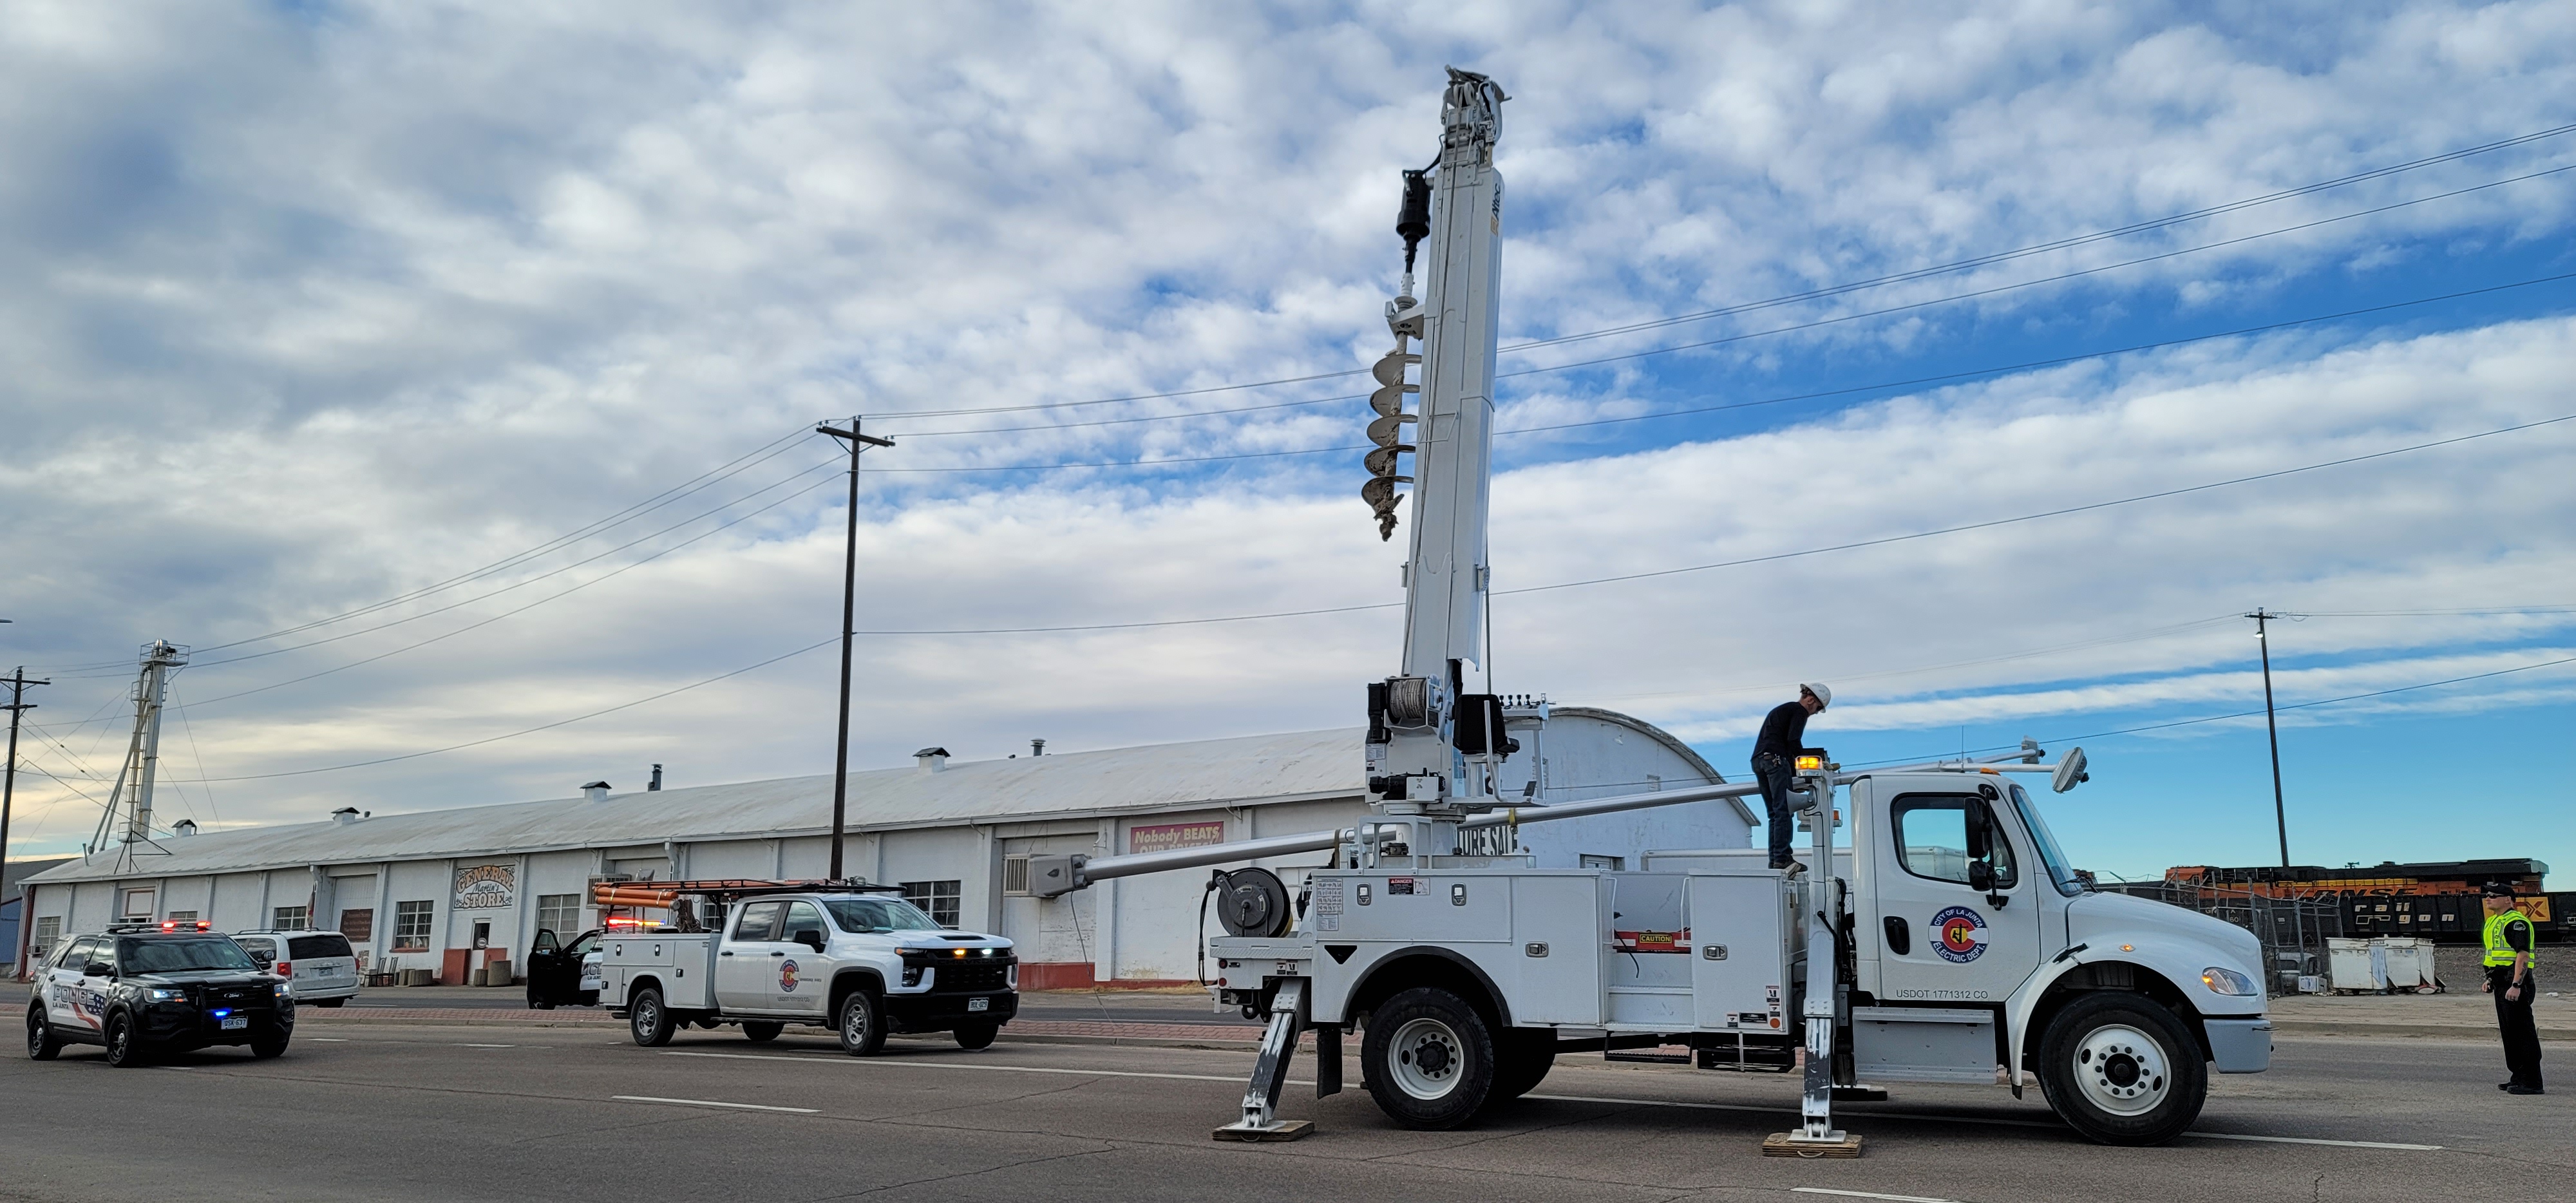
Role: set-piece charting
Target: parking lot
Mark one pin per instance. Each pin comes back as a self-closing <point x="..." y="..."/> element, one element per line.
<point x="426" y="1110"/>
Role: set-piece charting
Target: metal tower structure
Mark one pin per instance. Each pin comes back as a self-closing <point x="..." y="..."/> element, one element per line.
<point x="132" y="798"/>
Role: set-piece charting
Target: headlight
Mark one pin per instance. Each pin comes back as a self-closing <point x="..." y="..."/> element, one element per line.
<point x="168" y="995"/>
<point x="285" y="988"/>
<point x="2226" y="981"/>
<point x="912" y="975"/>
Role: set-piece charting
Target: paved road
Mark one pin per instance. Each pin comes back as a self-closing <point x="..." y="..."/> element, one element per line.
<point x="1109" y="1006"/>
<point x="418" y="1112"/>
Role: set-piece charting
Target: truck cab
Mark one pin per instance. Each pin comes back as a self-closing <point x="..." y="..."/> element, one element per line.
<point x="863" y="962"/>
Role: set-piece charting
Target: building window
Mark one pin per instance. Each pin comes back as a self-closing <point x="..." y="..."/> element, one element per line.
<point x="359" y="926"/>
<point x="560" y="914"/>
<point x="1593" y="861"/>
<point x="411" y="926"/>
<point x="938" y="899"/>
<point x="138" y="903"/>
<point x="290" y="918"/>
<point x="49" y="930"/>
<point x="1015" y="876"/>
<point x="180" y="915"/>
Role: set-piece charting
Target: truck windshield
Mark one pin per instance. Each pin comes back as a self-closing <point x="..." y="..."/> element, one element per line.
<point x="2059" y="871"/>
<point x="861" y="916"/>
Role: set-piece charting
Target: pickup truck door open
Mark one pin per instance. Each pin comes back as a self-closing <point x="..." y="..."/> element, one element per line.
<point x="748" y="962"/>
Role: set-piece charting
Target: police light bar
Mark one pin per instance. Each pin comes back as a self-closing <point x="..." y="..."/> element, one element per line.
<point x="185" y="925"/>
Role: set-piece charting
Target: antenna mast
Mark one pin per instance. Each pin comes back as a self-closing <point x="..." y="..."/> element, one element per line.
<point x="133" y="795"/>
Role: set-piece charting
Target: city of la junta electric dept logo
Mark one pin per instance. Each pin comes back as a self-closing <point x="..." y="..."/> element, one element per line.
<point x="1959" y="934"/>
<point x="787" y="976"/>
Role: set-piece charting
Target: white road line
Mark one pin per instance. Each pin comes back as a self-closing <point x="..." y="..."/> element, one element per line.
<point x="2311" y="1140"/>
<point x="327" y="1039"/>
<point x="1867" y="1194"/>
<point x="645" y="1098"/>
<point x="1789" y="1109"/>
<point x="487" y="1046"/>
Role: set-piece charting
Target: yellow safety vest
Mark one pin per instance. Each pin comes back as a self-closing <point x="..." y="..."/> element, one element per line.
<point x="2500" y="953"/>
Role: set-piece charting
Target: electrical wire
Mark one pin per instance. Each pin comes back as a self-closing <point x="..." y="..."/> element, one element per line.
<point x="1828" y="291"/>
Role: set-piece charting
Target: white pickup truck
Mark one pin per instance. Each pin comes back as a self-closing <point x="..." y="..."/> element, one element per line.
<point x="863" y="962"/>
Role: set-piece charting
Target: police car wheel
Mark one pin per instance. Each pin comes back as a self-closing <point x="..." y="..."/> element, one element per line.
<point x="648" y="1019"/>
<point x="1428" y="1059"/>
<point x="760" y="1031"/>
<point x="861" y="1024"/>
<point x="977" y="1035"/>
<point x="266" y="1047"/>
<point x="124" y="1050"/>
<point x="2122" y="1070"/>
<point x="41" y="1044"/>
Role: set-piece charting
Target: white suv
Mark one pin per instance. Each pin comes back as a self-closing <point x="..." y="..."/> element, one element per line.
<point x="320" y="963"/>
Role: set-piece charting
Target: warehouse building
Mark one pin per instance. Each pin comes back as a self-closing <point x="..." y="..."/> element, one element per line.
<point x="452" y="890"/>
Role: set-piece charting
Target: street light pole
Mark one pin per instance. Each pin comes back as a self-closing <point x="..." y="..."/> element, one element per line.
<point x="849" y="619"/>
<point x="2280" y="815"/>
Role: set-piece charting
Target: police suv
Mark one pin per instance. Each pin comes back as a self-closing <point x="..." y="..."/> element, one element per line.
<point x="139" y="989"/>
<point x="855" y="958"/>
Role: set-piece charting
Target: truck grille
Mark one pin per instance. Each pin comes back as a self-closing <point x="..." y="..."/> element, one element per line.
<point x="959" y="978"/>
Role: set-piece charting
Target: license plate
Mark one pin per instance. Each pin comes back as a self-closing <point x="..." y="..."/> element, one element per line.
<point x="236" y="1022"/>
<point x="979" y="1004"/>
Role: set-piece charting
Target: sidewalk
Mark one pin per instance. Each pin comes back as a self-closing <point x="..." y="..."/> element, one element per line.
<point x="2460" y="1014"/>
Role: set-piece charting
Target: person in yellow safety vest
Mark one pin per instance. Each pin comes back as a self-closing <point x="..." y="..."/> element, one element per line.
<point x="2509" y="962"/>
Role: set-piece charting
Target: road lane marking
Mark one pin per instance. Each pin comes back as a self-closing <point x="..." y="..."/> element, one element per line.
<point x="1785" y="1109"/>
<point x="1867" y="1194"/>
<point x="327" y="1039"/>
<point x="646" y="1098"/>
<point x="2311" y="1140"/>
<point x="487" y="1046"/>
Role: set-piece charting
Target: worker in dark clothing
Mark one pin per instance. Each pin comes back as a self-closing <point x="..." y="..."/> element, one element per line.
<point x="1775" y="760"/>
<point x="2508" y="963"/>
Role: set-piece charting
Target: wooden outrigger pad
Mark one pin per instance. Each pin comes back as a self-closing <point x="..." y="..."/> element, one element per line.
<point x="1286" y="1129"/>
<point x="1787" y="1144"/>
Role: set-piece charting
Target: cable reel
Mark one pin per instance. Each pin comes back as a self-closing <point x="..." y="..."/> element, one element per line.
<point x="1251" y="902"/>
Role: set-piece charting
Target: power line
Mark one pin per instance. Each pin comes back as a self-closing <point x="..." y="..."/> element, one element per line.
<point x="1819" y="293"/>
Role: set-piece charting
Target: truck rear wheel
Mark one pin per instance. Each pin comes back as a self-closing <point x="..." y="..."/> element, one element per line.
<point x="1429" y="1059"/>
<point x="2122" y="1070"/>
<point x="861" y="1024"/>
<point x="649" y="1019"/>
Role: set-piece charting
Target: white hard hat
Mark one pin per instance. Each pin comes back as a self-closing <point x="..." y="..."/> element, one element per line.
<point x="1824" y="695"/>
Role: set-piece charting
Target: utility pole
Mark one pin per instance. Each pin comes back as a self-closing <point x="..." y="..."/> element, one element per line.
<point x="849" y="618"/>
<point x="2280" y="816"/>
<point x="18" y="702"/>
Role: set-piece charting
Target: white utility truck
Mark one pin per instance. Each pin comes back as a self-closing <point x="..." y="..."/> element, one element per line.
<point x="848" y="955"/>
<point x="1950" y="940"/>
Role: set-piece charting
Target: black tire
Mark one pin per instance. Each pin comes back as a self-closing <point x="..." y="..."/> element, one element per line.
<point x="860" y="1024"/>
<point x="124" y="1048"/>
<point x="265" y="1047"/>
<point x="538" y="1000"/>
<point x="761" y="1031"/>
<point x="1428" y="1059"/>
<point x="977" y="1035"/>
<point x="1522" y="1057"/>
<point x="590" y="998"/>
<point x="2122" y="1070"/>
<point x="42" y="1044"/>
<point x="329" y="1002"/>
<point x="649" y="1019"/>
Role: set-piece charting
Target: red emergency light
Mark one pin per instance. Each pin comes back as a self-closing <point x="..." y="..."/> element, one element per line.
<point x="185" y="925"/>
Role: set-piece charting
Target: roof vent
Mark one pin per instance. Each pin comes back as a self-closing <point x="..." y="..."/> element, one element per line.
<point x="657" y="780"/>
<point x="596" y="791"/>
<point x="930" y="760"/>
<point x="1037" y="747"/>
<point x="346" y="814"/>
<point x="184" y="827"/>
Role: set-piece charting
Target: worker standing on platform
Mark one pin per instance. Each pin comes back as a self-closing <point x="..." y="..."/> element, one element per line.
<point x="1775" y="760"/>
<point x="2509" y="963"/>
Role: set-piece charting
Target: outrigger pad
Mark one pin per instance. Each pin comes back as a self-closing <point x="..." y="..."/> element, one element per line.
<point x="1789" y="1144"/>
<point x="1286" y="1129"/>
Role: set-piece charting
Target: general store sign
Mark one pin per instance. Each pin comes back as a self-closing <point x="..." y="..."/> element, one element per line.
<point x="1163" y="837"/>
<point x="486" y="887"/>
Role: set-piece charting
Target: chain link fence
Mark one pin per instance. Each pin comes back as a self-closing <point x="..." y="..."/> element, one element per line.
<point x="2293" y="931"/>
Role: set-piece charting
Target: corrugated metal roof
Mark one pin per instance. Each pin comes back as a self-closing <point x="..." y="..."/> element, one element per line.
<point x="1250" y="770"/>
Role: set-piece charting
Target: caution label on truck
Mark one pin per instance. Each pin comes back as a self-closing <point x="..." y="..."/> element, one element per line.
<point x="1653" y="941"/>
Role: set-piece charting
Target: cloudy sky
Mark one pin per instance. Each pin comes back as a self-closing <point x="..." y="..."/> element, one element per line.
<point x="444" y="375"/>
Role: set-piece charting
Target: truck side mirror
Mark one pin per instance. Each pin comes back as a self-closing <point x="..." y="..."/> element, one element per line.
<point x="1981" y="875"/>
<point x="810" y="937"/>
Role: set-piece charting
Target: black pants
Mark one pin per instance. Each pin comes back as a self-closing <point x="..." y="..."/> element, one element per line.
<point x="1772" y="773"/>
<point x="2513" y="1018"/>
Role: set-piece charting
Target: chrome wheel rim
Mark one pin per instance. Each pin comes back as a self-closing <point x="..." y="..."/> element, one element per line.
<point x="854" y="1023"/>
<point x="1426" y="1059"/>
<point x="648" y="1016"/>
<point x="2122" y="1070"/>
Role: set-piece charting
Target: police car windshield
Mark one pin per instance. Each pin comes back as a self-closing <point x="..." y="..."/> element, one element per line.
<point x="181" y="956"/>
<point x="860" y="916"/>
<point x="2059" y="870"/>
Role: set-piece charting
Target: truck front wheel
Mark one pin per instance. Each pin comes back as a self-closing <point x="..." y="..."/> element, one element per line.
<point x="649" y="1019"/>
<point x="861" y="1024"/>
<point x="2122" y="1070"/>
<point x="1429" y="1059"/>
